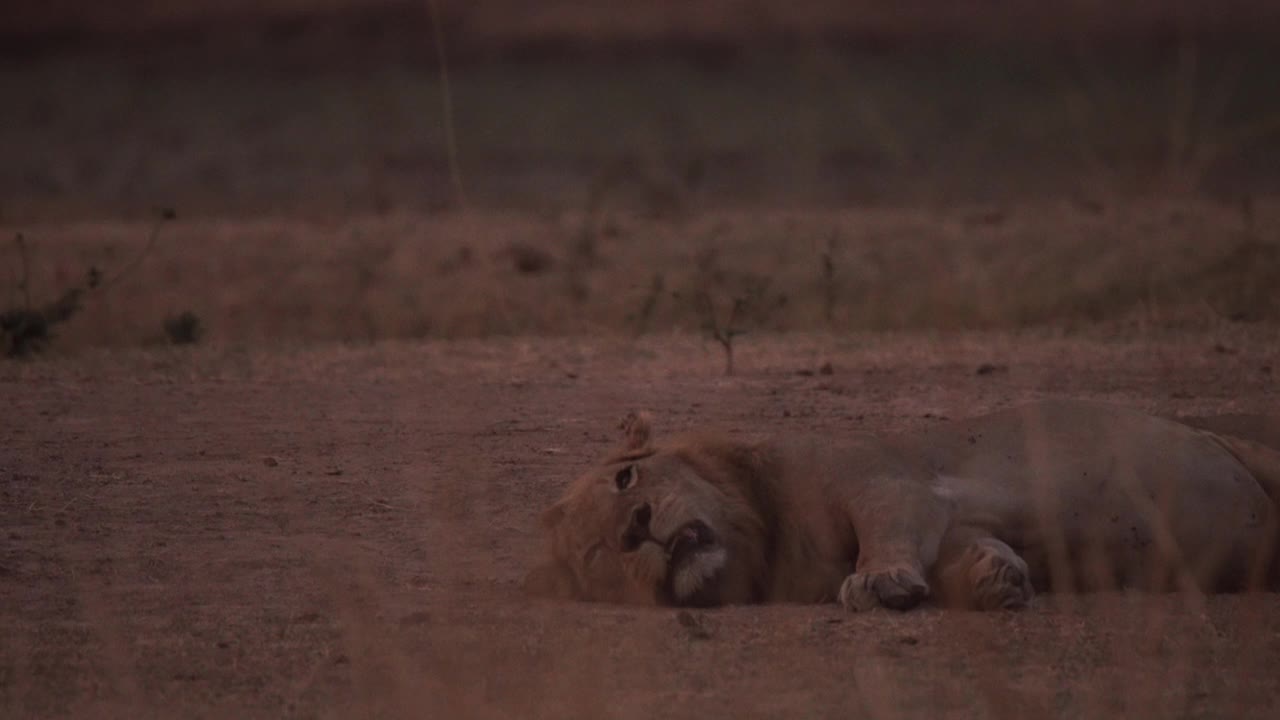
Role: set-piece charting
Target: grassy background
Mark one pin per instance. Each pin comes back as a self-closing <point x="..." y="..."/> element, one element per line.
<point x="846" y="183"/>
<point x="482" y="274"/>
<point x="111" y="135"/>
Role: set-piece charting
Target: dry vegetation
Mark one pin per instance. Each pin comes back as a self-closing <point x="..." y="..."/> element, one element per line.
<point x="949" y="186"/>
<point x="476" y="275"/>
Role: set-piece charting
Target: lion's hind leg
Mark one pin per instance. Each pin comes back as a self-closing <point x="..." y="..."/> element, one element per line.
<point x="980" y="572"/>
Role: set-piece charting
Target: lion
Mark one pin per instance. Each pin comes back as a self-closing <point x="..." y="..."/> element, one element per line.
<point x="983" y="513"/>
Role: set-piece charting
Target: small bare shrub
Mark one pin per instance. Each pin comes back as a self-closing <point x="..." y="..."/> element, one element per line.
<point x="650" y="303"/>
<point x="27" y="329"/>
<point x="184" y="328"/>
<point x="727" y="305"/>
<point x="830" y="286"/>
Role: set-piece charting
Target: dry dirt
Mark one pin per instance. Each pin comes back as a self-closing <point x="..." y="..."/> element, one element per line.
<point x="340" y="532"/>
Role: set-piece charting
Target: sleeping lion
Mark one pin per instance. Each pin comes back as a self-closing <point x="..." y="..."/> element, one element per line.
<point x="981" y="513"/>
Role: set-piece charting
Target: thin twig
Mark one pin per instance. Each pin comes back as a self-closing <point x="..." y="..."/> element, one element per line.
<point x="1181" y="131"/>
<point x="24" y="283"/>
<point x="829" y="279"/>
<point x="446" y="102"/>
<point x="379" y="503"/>
<point x="70" y="502"/>
<point x="165" y="216"/>
<point x="722" y="334"/>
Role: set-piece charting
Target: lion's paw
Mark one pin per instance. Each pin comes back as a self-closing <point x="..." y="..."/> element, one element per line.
<point x="1005" y="585"/>
<point x="897" y="589"/>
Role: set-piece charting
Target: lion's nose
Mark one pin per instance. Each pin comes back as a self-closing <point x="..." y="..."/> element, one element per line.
<point x="638" y="529"/>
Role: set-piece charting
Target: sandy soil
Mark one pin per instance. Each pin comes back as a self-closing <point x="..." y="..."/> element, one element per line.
<point x="340" y="532"/>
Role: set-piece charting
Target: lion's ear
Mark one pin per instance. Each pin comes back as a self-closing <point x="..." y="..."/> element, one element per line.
<point x="637" y="427"/>
<point x="549" y="580"/>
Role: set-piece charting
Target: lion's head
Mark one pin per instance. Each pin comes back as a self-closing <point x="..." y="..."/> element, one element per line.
<point x="675" y="525"/>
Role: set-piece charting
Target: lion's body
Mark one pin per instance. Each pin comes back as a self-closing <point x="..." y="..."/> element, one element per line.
<point x="1059" y="495"/>
<point x="1092" y="496"/>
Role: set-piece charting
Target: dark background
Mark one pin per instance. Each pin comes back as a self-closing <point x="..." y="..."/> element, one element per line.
<point x="903" y="165"/>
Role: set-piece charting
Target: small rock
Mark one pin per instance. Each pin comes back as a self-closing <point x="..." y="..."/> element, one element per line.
<point x="991" y="369"/>
<point x="611" y="229"/>
<point x="909" y="640"/>
<point x="826" y="369"/>
<point x="416" y="618"/>
<point x="528" y="259"/>
<point x="1090" y="206"/>
<point x="992" y="217"/>
<point x="270" y="461"/>
<point x="693" y="624"/>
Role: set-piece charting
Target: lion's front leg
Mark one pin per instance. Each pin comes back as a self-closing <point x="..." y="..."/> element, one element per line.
<point x="899" y="588"/>
<point x="899" y="524"/>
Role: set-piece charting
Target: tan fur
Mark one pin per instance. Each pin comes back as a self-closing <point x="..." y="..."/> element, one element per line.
<point x="1057" y="495"/>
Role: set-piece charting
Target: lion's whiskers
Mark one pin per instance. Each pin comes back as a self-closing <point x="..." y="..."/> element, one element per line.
<point x="697" y="570"/>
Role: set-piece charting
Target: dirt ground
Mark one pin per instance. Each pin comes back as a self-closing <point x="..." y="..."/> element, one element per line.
<point x="331" y="531"/>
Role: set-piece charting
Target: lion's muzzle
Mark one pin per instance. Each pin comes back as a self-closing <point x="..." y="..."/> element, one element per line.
<point x="695" y="560"/>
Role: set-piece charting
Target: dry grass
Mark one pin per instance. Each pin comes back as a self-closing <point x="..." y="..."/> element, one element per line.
<point x="463" y="275"/>
<point x="968" y="187"/>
